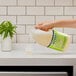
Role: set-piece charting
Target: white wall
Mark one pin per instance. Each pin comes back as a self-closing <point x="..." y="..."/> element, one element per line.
<point x="26" y="13"/>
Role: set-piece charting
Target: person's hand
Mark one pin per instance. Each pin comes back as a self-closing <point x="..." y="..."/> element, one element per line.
<point x="45" y="26"/>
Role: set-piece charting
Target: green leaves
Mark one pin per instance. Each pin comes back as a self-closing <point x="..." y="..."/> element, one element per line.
<point x="7" y="29"/>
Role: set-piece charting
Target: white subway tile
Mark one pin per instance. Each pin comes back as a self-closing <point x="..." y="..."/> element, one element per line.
<point x="7" y="2"/>
<point x="63" y="2"/>
<point x="74" y="2"/>
<point x="26" y="2"/>
<point x="3" y="10"/>
<point x="25" y="20"/>
<point x="35" y="10"/>
<point x="29" y="29"/>
<point x="44" y="18"/>
<point x="20" y="29"/>
<point x="54" y="10"/>
<point x="70" y="11"/>
<point x="59" y="29"/>
<point x="9" y="18"/>
<point x="63" y="17"/>
<point x="31" y="40"/>
<point x="16" y="10"/>
<point x="71" y="38"/>
<point x="44" y="2"/>
<point x="74" y="38"/>
<point x="74" y="17"/>
<point x="22" y="38"/>
<point x="70" y="30"/>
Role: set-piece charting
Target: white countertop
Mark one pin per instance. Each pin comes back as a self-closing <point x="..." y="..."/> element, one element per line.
<point x="37" y="51"/>
<point x="34" y="54"/>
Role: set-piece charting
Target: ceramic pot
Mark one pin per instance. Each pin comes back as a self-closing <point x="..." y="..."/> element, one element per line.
<point x="6" y="44"/>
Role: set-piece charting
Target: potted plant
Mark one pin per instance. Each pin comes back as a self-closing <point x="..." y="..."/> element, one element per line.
<point x="7" y="31"/>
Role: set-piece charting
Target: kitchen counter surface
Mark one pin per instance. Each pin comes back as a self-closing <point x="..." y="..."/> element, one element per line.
<point x="34" y="54"/>
<point x="37" y="51"/>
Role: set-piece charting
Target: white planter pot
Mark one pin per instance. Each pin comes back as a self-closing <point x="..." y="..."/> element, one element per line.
<point x="6" y="44"/>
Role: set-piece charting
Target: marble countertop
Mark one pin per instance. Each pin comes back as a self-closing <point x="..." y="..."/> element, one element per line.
<point x="34" y="54"/>
<point x="37" y="51"/>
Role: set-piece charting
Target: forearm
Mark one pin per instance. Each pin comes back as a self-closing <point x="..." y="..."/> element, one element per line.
<point x="65" y="23"/>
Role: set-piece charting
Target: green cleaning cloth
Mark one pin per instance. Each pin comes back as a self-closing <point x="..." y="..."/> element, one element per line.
<point x="59" y="41"/>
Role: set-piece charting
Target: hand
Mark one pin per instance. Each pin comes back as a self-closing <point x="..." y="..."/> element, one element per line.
<point x="45" y="26"/>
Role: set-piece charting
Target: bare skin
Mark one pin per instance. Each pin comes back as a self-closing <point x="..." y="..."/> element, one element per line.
<point x="45" y="26"/>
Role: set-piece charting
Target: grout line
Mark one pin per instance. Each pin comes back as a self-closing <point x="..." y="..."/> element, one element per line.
<point x="38" y="15"/>
<point x="25" y="11"/>
<point x="72" y="2"/>
<point x="35" y="19"/>
<point x="17" y="2"/>
<point x="25" y="5"/>
<point x="23" y="34"/>
<point x="54" y="18"/>
<point x="16" y="25"/>
<point x="7" y="10"/>
<point x="16" y="20"/>
<point x="63" y="11"/>
<point x="63" y="30"/>
<point x="37" y="6"/>
<point x="72" y="39"/>
<point x="26" y="24"/>
<point x="73" y="17"/>
<point x="8" y="5"/>
<point x="15" y="6"/>
<point x="54" y="3"/>
<point x="25" y="29"/>
<point x="16" y="37"/>
<point x="23" y="24"/>
<point x="44" y="11"/>
<point x="24" y="15"/>
<point x="35" y="3"/>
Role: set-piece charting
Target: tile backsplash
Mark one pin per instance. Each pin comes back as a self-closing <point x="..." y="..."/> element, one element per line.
<point x="26" y="13"/>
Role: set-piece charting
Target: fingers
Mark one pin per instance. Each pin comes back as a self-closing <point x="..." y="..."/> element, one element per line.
<point x="43" y="26"/>
<point x="44" y="29"/>
<point x="38" y="26"/>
